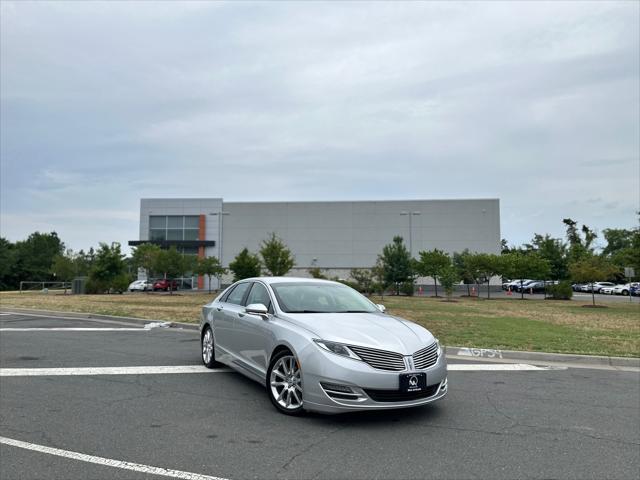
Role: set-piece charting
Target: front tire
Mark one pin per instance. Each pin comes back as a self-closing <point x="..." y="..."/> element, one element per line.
<point x="284" y="383"/>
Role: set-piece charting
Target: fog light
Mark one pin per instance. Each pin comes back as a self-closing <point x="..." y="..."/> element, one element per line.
<point x="336" y="388"/>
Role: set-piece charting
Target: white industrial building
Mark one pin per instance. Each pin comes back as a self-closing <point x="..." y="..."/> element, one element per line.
<point x="336" y="236"/>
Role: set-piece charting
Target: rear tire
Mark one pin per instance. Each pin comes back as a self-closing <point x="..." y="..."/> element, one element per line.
<point x="208" y="349"/>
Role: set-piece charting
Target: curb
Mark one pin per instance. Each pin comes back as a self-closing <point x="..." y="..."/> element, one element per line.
<point x="97" y="316"/>
<point x="542" y="357"/>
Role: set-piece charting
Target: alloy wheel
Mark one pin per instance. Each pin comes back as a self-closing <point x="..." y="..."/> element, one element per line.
<point x="207" y="347"/>
<point x="286" y="384"/>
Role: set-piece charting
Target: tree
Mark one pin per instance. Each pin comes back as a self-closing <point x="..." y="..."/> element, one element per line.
<point x="431" y="264"/>
<point x="519" y="265"/>
<point x="34" y="255"/>
<point x="8" y="278"/>
<point x="623" y="248"/>
<point x="364" y="279"/>
<point x="449" y="276"/>
<point x="63" y="268"/>
<point x="145" y="256"/>
<point x="172" y="264"/>
<point x="554" y="251"/>
<point x="592" y="269"/>
<point x="316" y="272"/>
<point x="276" y="256"/>
<point x="460" y="262"/>
<point x="485" y="266"/>
<point x="210" y="266"/>
<point x="245" y="265"/>
<point x="579" y="247"/>
<point x="109" y="269"/>
<point x="396" y="264"/>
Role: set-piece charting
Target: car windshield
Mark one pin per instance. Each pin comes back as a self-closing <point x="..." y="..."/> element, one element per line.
<point x="312" y="297"/>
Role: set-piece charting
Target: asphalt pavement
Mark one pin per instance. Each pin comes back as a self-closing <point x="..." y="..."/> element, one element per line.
<point x="549" y="423"/>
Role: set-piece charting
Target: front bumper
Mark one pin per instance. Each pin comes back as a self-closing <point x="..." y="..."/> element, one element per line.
<point x="365" y="382"/>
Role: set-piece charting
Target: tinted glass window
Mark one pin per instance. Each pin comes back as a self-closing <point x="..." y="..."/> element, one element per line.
<point x="191" y="234"/>
<point x="237" y="294"/>
<point x="259" y="294"/>
<point x="191" y="222"/>
<point x="175" y="222"/>
<point x="158" y="222"/>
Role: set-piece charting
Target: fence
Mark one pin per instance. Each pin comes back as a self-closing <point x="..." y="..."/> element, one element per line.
<point x="43" y="286"/>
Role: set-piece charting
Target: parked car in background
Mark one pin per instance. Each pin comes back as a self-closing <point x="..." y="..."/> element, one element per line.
<point x="537" y="286"/>
<point x="525" y="285"/>
<point x="607" y="290"/>
<point x="577" y="287"/>
<point x="165" y="285"/>
<point x="634" y="289"/>
<point x="597" y="286"/>
<point x="622" y="289"/>
<point x="140" y="286"/>
<point x="513" y="284"/>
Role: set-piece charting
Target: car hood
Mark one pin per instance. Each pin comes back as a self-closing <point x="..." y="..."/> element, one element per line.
<point x="374" y="330"/>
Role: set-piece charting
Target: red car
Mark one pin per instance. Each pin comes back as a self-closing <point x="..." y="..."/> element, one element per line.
<point x="165" y="285"/>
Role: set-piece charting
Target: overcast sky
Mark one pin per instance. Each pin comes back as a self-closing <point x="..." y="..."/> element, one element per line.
<point x="536" y="103"/>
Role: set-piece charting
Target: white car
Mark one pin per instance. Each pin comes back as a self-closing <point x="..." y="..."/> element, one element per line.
<point x="597" y="286"/>
<point x="140" y="286"/>
<point x="607" y="290"/>
<point x="621" y="289"/>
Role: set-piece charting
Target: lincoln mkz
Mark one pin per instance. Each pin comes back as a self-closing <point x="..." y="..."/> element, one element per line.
<point x="321" y="346"/>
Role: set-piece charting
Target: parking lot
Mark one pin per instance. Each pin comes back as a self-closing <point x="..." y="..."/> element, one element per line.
<point x="121" y="400"/>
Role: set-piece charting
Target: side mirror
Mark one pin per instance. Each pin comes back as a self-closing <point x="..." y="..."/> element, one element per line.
<point x="257" y="309"/>
<point x="382" y="308"/>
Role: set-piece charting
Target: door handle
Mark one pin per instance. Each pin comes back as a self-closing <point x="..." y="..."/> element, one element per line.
<point x="241" y="314"/>
<point x="219" y="308"/>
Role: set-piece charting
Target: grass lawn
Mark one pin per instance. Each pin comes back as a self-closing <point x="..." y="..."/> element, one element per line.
<point x="510" y="324"/>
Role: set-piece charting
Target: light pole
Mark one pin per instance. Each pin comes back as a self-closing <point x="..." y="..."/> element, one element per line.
<point x="220" y="214"/>
<point x="410" y="215"/>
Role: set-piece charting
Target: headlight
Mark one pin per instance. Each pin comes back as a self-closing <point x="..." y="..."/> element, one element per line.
<point x="439" y="347"/>
<point x="337" y="348"/>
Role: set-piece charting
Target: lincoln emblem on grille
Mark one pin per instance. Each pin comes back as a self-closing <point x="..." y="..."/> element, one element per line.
<point x="413" y="381"/>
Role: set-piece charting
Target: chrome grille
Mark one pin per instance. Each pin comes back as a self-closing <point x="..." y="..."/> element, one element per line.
<point x="380" y="359"/>
<point x="426" y="357"/>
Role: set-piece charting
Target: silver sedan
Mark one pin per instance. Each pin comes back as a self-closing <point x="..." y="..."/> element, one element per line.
<point x="321" y="346"/>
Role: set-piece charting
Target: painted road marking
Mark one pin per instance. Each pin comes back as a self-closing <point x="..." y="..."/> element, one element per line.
<point x="74" y="329"/>
<point x="146" y="328"/>
<point x="136" y="467"/>
<point x="168" y="370"/>
<point x="147" y="370"/>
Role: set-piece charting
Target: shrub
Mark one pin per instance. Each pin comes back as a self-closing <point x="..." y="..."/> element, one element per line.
<point x="561" y="291"/>
<point x="95" y="286"/>
<point x="120" y="283"/>
<point x="407" y="288"/>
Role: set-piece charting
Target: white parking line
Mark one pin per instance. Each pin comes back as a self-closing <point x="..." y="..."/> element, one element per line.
<point x="136" y="467"/>
<point x="74" y="329"/>
<point x="147" y="370"/>
<point x="168" y="370"/>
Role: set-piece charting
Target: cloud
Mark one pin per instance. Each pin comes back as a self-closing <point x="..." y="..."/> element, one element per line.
<point x="105" y="103"/>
